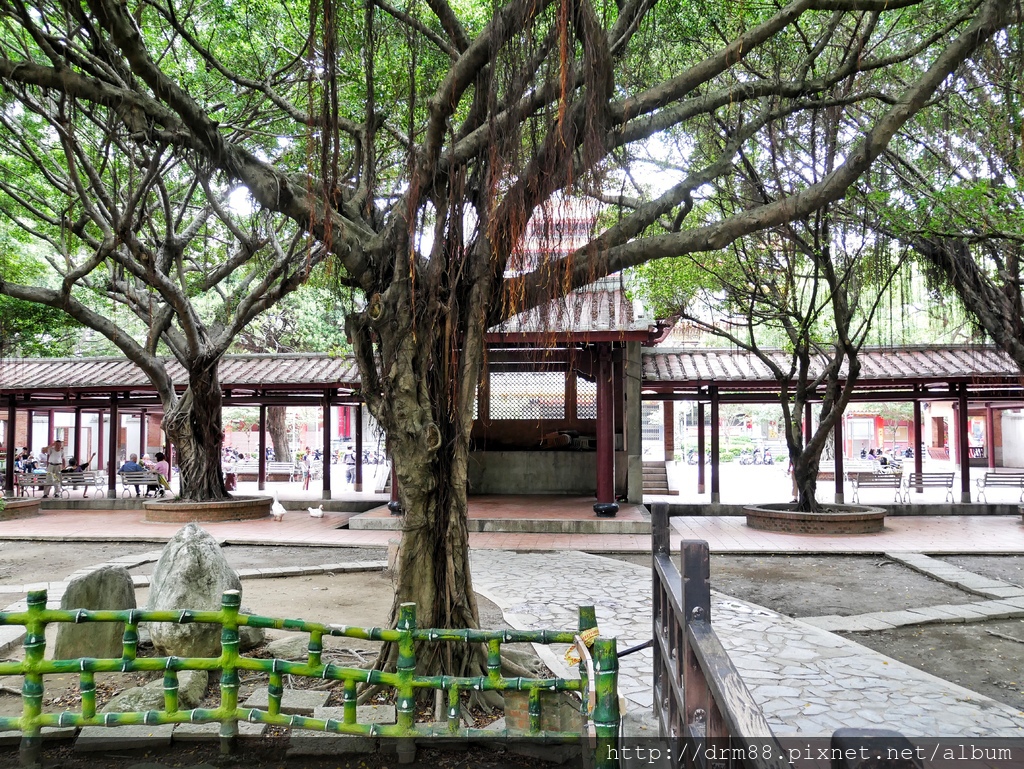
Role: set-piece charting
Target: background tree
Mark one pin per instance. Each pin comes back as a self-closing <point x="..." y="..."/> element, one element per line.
<point x="28" y="329"/>
<point x="953" y="190"/>
<point x="309" y="320"/>
<point x="416" y="143"/>
<point x="142" y="237"/>
<point x="799" y="297"/>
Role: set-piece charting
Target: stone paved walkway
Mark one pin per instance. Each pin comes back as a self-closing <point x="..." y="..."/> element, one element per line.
<point x="808" y="681"/>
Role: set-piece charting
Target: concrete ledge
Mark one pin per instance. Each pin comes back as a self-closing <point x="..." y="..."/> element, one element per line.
<point x="847" y="519"/>
<point x="705" y="510"/>
<point x="211" y="732"/>
<point x="135" y="503"/>
<point x="514" y="525"/>
<point x="94" y="738"/>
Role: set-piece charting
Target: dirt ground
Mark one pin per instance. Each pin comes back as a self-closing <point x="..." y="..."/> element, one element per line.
<point x="979" y="656"/>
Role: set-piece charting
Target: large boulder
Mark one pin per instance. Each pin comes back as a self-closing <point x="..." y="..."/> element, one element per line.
<point x="192" y="573"/>
<point x="108" y="588"/>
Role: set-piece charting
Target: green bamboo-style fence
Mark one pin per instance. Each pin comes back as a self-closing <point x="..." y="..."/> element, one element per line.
<point x="596" y="686"/>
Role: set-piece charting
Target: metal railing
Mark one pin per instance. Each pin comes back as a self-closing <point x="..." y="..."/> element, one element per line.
<point x="700" y="699"/>
<point x="596" y="687"/>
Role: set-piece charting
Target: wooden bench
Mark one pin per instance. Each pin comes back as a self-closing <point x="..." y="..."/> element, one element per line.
<point x="918" y="481"/>
<point x="137" y="478"/>
<point x="861" y="480"/>
<point x="1013" y="479"/>
<point x="248" y="470"/>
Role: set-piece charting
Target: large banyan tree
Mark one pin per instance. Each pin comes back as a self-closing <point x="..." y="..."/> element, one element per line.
<point x="414" y="142"/>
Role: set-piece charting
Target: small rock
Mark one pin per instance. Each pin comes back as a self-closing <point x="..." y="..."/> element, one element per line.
<point x="110" y="588"/>
<point x="292" y="647"/>
<point x="191" y="689"/>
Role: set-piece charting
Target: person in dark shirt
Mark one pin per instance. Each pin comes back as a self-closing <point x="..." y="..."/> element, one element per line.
<point x="133" y="466"/>
<point x="74" y="466"/>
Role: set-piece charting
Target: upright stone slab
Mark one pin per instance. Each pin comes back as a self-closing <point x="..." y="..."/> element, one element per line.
<point x="108" y="588"/>
<point x="192" y="573"/>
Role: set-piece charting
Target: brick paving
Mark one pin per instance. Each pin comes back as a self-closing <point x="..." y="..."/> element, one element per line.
<point x="724" y="534"/>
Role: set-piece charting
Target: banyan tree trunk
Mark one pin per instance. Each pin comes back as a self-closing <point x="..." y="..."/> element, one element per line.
<point x="278" y="428"/>
<point x="193" y="423"/>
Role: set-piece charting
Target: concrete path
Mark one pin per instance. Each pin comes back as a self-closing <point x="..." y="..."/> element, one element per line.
<point x="808" y="681"/>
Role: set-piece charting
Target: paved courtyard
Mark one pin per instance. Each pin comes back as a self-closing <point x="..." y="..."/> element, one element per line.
<point x="808" y="681"/>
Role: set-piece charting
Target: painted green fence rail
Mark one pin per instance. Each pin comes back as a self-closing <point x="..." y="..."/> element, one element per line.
<point x="596" y="687"/>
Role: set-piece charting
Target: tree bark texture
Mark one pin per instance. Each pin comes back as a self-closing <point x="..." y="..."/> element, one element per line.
<point x="193" y="422"/>
<point x="278" y="428"/>
<point x="998" y="308"/>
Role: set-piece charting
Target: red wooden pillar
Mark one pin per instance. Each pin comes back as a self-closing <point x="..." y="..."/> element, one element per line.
<point x="261" y="460"/>
<point x="144" y="433"/>
<point x="990" y="435"/>
<point x="961" y="441"/>
<point x="12" y="414"/>
<point x="326" y="451"/>
<point x="79" y="451"/>
<point x="918" y="442"/>
<point x="839" y="451"/>
<point x="357" y="484"/>
<point x="605" y="506"/>
<point x="115" y="433"/>
<point x="669" y="423"/>
<point x="99" y="440"/>
<point x="700" y="447"/>
<point x="716" y="495"/>
<point x="29" y="424"/>
<point x="49" y="428"/>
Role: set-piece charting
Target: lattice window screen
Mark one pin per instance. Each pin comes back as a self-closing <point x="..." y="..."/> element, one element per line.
<point x="586" y="399"/>
<point x="527" y="395"/>
<point x="652" y="424"/>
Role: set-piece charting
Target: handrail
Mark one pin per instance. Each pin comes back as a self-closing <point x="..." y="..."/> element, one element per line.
<point x="699" y="696"/>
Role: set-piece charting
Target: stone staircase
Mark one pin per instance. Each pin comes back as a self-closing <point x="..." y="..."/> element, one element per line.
<point x="656" y="479"/>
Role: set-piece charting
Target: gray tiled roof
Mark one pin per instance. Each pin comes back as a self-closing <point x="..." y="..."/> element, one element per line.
<point x="665" y="367"/>
<point x="878" y="364"/>
<point x="241" y="371"/>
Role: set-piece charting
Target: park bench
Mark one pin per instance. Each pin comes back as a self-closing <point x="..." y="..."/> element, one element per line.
<point x="876" y="480"/>
<point x="994" y="479"/>
<point x="917" y="481"/>
<point x="86" y="478"/>
<point x="30" y="483"/>
<point x="137" y="478"/>
<point x="33" y="482"/>
<point x="248" y="470"/>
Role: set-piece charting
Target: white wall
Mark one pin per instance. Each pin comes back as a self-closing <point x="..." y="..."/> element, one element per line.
<point x="1013" y="438"/>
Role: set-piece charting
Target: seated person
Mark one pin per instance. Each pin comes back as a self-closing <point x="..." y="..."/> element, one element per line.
<point x="133" y="466"/>
<point x="163" y="472"/>
<point x="74" y="466"/>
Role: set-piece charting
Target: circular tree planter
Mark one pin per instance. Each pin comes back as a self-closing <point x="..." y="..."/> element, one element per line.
<point x="19" y="507"/>
<point x="185" y="511"/>
<point x="839" y="519"/>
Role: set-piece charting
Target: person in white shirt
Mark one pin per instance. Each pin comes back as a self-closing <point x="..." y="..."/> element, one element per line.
<point x="54" y="464"/>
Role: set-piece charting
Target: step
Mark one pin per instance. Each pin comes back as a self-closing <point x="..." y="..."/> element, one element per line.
<point x="631" y="519"/>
